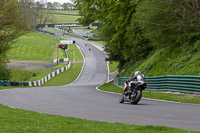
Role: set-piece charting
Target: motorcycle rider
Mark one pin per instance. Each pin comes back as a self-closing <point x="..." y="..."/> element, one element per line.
<point x="139" y="78"/>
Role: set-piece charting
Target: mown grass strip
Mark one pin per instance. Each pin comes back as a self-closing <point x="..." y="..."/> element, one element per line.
<point x="17" y="120"/>
<point x="184" y="98"/>
<point x="65" y="77"/>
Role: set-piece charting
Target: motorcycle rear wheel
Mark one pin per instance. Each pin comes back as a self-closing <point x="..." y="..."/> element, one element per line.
<point x="137" y="98"/>
<point x="121" y="100"/>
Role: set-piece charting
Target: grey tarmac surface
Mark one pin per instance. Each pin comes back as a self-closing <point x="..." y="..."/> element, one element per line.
<point x="80" y="99"/>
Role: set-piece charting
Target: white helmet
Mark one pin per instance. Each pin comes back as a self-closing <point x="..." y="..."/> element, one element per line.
<point x="137" y="73"/>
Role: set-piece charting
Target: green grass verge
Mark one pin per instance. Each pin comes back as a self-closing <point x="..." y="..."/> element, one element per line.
<point x="28" y="75"/>
<point x="17" y="120"/>
<point x="113" y="66"/>
<point x="65" y="77"/>
<point x="99" y="42"/>
<point x="74" y="53"/>
<point x="184" y="98"/>
<point x="35" y="46"/>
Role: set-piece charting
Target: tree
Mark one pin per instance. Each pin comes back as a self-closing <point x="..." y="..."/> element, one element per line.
<point x="68" y="6"/>
<point x="29" y="13"/>
<point x="169" y="22"/>
<point x="45" y="11"/>
<point x="87" y="10"/>
<point x="11" y="27"/>
<point x="132" y="28"/>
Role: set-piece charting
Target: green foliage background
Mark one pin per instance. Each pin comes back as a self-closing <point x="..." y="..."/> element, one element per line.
<point x="11" y="27"/>
<point x="155" y="37"/>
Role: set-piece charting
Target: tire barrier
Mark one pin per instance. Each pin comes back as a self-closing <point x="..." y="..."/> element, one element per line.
<point x="172" y="83"/>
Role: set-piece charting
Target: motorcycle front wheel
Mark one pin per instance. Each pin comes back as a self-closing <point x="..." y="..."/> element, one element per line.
<point x="137" y="97"/>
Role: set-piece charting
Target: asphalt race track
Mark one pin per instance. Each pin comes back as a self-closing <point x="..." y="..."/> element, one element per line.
<point x="80" y="99"/>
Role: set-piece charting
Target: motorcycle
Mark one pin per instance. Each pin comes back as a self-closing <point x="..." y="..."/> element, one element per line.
<point x="133" y="92"/>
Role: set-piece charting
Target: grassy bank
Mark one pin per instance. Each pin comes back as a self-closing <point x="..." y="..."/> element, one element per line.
<point x="184" y="98"/>
<point x="62" y="19"/>
<point x="183" y="60"/>
<point x="113" y="66"/>
<point x="28" y="75"/>
<point x="65" y="77"/>
<point x="75" y="12"/>
<point x="74" y="53"/>
<point x="64" y="16"/>
<point x="16" y="120"/>
<point x="35" y="46"/>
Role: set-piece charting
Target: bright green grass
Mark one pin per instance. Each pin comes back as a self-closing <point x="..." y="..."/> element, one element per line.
<point x="113" y="66"/>
<point x="184" y="98"/>
<point x="17" y="120"/>
<point x="28" y="75"/>
<point x="74" y="53"/>
<point x="65" y="77"/>
<point x="181" y="60"/>
<point x="99" y="42"/>
<point x="60" y="66"/>
<point x="66" y="12"/>
<point x="65" y="19"/>
<point x="35" y="46"/>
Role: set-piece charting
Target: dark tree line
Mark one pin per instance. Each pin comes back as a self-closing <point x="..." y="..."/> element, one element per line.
<point x="134" y="28"/>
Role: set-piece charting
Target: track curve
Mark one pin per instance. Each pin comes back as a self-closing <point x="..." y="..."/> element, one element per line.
<point x="80" y="99"/>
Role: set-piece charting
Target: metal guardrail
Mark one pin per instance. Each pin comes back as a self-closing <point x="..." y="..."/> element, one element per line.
<point x="173" y="83"/>
<point x="4" y="83"/>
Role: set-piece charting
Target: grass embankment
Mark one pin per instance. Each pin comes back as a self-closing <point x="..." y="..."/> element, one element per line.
<point x="74" y="12"/>
<point x="183" y="60"/>
<point x="64" y="16"/>
<point x="28" y="75"/>
<point x="35" y="46"/>
<point x="70" y="75"/>
<point x="17" y="120"/>
<point x="184" y="98"/>
<point x="113" y="66"/>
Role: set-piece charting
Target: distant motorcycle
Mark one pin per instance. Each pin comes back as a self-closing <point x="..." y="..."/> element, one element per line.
<point x="133" y="93"/>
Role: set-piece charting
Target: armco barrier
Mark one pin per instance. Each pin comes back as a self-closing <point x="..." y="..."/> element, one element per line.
<point x="4" y="83"/>
<point x="173" y="83"/>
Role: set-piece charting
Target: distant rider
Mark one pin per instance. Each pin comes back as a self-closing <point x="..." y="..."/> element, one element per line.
<point x="139" y="79"/>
